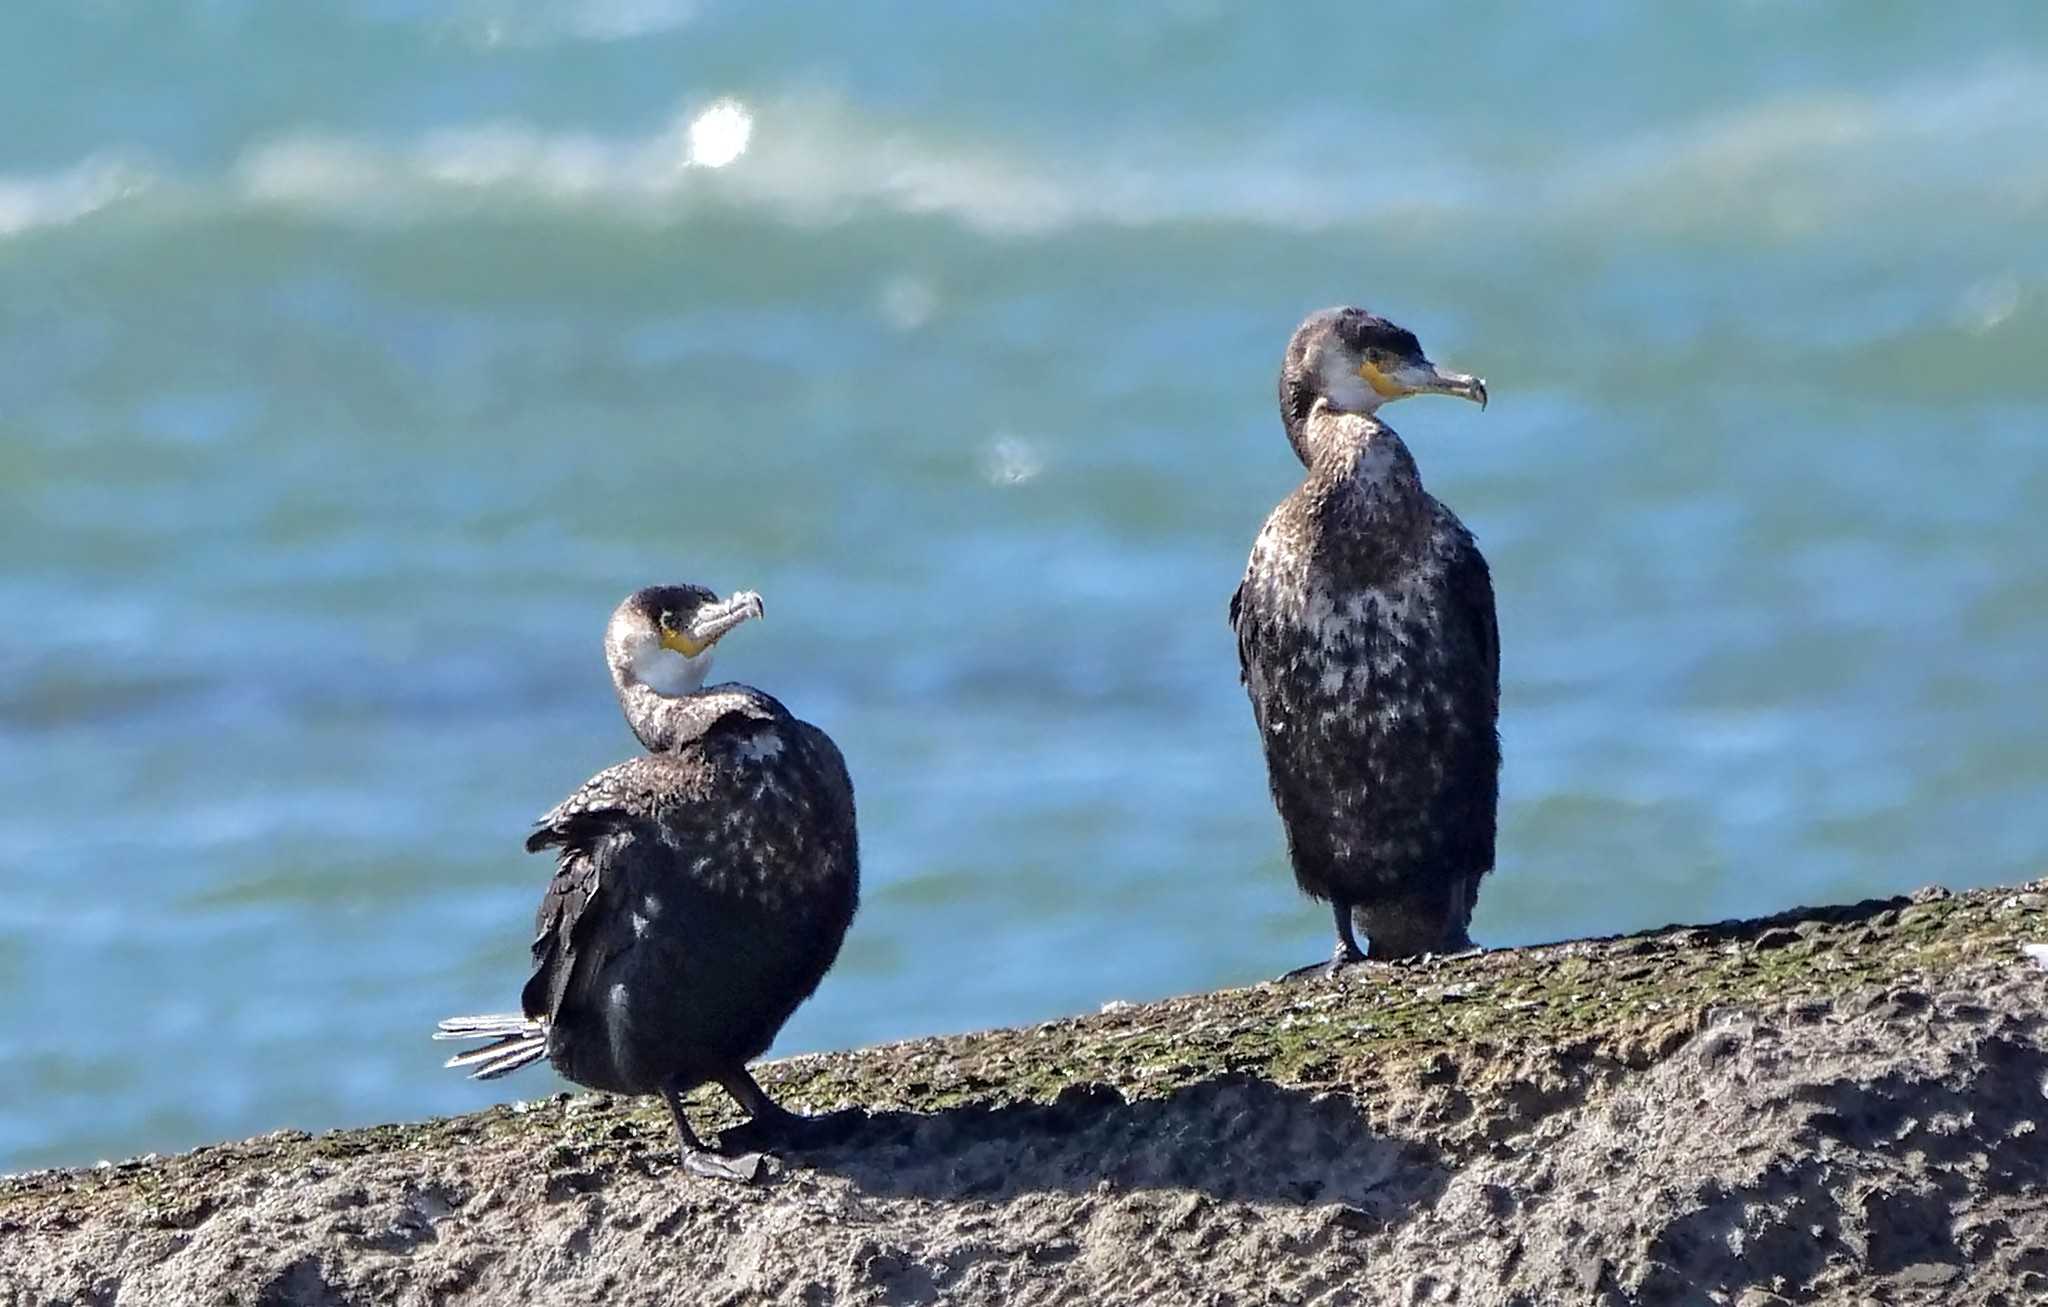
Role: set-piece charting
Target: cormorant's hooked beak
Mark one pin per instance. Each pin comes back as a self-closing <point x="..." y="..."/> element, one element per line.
<point x="1421" y="377"/>
<point x="712" y="621"/>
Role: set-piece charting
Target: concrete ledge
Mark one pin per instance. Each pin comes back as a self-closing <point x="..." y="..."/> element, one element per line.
<point x="1832" y="1103"/>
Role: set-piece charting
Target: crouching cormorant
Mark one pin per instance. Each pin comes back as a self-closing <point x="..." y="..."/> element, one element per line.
<point x="1367" y="641"/>
<point x="700" y="892"/>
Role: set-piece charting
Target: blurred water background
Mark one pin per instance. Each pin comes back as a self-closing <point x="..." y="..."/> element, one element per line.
<point x="356" y="358"/>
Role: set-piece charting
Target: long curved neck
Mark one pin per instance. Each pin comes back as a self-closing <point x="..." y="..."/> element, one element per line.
<point x="1364" y="484"/>
<point x="1297" y="400"/>
<point x="1353" y="444"/>
<point x="665" y="723"/>
<point x="1308" y="411"/>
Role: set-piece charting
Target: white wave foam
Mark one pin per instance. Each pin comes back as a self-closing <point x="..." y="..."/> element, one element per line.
<point x="1801" y="163"/>
<point x="1989" y="304"/>
<point x="1783" y="167"/>
<point x="1011" y="461"/>
<point x="566" y="169"/>
<point x="813" y="162"/>
<point x="53" y="199"/>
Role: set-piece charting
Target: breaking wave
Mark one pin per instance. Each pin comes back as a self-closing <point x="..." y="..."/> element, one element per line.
<point x="1785" y="166"/>
<point x="28" y="203"/>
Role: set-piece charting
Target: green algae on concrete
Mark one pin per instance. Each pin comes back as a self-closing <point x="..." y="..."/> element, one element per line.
<point x="1478" y="1021"/>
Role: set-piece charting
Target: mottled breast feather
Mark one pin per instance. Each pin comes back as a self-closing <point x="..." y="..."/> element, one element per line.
<point x="1368" y="645"/>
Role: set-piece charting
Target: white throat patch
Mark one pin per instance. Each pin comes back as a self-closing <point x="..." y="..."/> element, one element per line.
<point x="1345" y="390"/>
<point x="668" y="673"/>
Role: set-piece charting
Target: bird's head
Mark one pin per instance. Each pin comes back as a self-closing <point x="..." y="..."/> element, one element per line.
<point x="1356" y="361"/>
<point x="661" y="637"/>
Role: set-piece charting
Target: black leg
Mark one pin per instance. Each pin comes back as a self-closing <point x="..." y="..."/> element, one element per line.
<point x="772" y="1124"/>
<point x="1429" y="918"/>
<point x="1347" y="951"/>
<point x="1458" y="939"/>
<point x="701" y="1161"/>
<point x="754" y="1101"/>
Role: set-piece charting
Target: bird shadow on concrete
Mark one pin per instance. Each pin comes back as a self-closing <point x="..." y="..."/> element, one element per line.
<point x="1236" y="1138"/>
<point x="1749" y="930"/>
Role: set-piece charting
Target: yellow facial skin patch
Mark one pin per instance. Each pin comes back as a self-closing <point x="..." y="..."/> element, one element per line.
<point x="683" y="644"/>
<point x="1384" y="385"/>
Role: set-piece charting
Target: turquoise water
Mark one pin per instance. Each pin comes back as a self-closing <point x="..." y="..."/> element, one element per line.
<point x="353" y="364"/>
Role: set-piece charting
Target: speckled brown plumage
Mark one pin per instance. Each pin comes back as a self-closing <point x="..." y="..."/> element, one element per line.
<point x="1368" y="645"/>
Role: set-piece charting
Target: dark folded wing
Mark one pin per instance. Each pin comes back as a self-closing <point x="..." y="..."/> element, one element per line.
<point x="1470" y="585"/>
<point x="609" y="820"/>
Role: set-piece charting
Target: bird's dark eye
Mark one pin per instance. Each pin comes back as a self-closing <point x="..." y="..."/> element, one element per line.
<point x="668" y="619"/>
<point x="1376" y="357"/>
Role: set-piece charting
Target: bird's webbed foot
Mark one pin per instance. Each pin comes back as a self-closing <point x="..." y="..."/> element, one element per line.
<point x="705" y="1164"/>
<point x="1329" y="970"/>
<point x="1347" y="952"/>
<point x="697" y="1160"/>
<point x="1461" y="945"/>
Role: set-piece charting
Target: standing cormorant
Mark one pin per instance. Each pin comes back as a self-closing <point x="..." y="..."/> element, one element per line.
<point x="1367" y="640"/>
<point x="700" y="892"/>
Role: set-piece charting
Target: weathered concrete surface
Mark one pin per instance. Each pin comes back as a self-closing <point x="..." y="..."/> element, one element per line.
<point x="1844" y="1104"/>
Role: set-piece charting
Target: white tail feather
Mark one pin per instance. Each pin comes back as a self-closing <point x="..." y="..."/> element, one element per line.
<point x="488" y="1025"/>
<point x="516" y="1040"/>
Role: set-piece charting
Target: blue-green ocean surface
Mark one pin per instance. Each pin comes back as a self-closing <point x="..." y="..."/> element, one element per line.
<point x="355" y="359"/>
